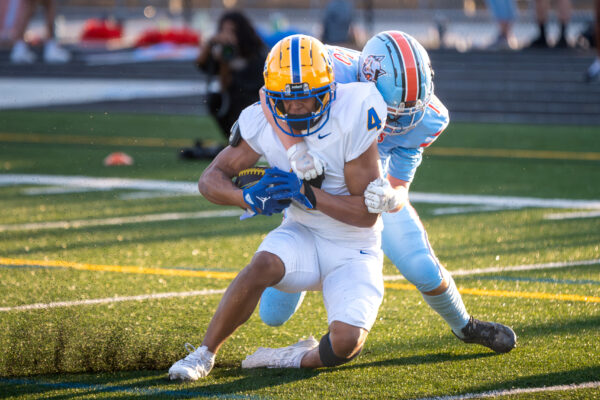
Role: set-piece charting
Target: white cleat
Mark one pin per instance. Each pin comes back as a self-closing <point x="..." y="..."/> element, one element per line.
<point x="284" y="357"/>
<point x="54" y="54"/>
<point x="22" y="54"/>
<point x="197" y="364"/>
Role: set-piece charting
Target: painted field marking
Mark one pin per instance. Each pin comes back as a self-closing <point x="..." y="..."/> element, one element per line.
<point x="95" y="388"/>
<point x="85" y="223"/>
<point x="539" y="280"/>
<point x="29" y="92"/>
<point x="572" y="215"/>
<point x="231" y="275"/>
<point x="118" y="268"/>
<point x="509" y="392"/>
<point x="175" y="143"/>
<point x="116" y="299"/>
<point x="514" y="153"/>
<point x="491" y="270"/>
<point x="98" y="183"/>
<point x="94" y="140"/>
<point x="507" y="293"/>
<point x="191" y="187"/>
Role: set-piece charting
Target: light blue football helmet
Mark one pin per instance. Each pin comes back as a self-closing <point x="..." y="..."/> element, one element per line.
<point x="401" y="70"/>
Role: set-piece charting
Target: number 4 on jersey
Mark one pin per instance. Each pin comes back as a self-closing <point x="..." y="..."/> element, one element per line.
<point x="373" y="120"/>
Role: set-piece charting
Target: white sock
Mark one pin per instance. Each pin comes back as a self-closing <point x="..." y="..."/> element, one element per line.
<point x="450" y="306"/>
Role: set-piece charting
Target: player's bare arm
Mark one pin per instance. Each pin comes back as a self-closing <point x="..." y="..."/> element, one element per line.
<point x="215" y="183"/>
<point x="352" y="210"/>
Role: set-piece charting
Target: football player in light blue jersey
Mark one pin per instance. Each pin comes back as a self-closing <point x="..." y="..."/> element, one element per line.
<point x="401" y="69"/>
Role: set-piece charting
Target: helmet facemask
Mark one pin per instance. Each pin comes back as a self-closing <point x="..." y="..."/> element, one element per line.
<point x="305" y="123"/>
<point x="402" y="119"/>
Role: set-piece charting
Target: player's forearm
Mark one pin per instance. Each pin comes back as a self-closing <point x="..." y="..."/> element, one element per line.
<point x="348" y="209"/>
<point x="217" y="188"/>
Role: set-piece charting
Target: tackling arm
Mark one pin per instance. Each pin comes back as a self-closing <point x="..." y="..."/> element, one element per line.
<point x="386" y="195"/>
<point x="352" y="209"/>
<point x="215" y="183"/>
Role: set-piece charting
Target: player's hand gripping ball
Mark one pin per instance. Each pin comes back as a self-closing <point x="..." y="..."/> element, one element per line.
<point x="249" y="177"/>
<point x="257" y="195"/>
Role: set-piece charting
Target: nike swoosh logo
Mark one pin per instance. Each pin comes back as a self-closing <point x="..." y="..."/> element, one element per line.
<point x="363" y="252"/>
<point x="323" y="136"/>
<point x="248" y="199"/>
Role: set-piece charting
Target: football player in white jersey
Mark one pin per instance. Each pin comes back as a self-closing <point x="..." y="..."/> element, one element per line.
<point x="401" y="69"/>
<point x="333" y="244"/>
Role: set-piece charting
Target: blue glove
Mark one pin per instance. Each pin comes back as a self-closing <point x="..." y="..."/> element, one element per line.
<point x="260" y="201"/>
<point x="285" y="185"/>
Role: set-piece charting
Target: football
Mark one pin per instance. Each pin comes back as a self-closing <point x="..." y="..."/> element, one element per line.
<point x="248" y="177"/>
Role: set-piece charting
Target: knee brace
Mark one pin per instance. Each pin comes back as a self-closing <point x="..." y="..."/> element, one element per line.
<point x="328" y="357"/>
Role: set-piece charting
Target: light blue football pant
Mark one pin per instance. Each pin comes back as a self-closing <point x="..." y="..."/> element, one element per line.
<point x="404" y="242"/>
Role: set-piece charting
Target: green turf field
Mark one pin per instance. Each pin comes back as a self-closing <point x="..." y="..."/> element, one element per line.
<point x="71" y="261"/>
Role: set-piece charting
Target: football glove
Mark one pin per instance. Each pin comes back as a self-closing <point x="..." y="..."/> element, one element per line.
<point x="285" y="186"/>
<point x="381" y="197"/>
<point x="305" y="164"/>
<point x="261" y="201"/>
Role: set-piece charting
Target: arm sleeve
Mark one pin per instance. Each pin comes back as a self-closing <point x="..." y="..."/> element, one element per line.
<point x="403" y="163"/>
<point x="368" y="123"/>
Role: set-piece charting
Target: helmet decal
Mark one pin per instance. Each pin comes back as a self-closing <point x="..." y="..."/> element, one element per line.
<point x="372" y="69"/>
<point x="295" y="60"/>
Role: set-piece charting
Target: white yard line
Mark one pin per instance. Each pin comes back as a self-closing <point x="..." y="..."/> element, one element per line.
<point x="190" y="187"/>
<point x="84" y="223"/>
<point x="98" y="183"/>
<point x="43" y="306"/>
<point x="465" y="272"/>
<point x="468" y="209"/>
<point x="509" y="392"/>
<point x="28" y="92"/>
<point x="573" y="215"/>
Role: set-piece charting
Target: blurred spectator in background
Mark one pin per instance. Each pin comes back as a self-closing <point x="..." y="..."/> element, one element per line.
<point x="53" y="53"/>
<point x="564" y="16"/>
<point x="505" y="12"/>
<point x="338" y="24"/>
<point x="236" y="54"/>
<point x="593" y="72"/>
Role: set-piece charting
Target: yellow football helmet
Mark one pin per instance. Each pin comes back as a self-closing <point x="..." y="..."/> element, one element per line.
<point x="299" y="67"/>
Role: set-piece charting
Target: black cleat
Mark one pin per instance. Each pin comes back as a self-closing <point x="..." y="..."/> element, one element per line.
<point x="497" y="337"/>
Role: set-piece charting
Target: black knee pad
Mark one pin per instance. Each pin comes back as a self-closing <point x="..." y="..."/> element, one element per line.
<point x="328" y="357"/>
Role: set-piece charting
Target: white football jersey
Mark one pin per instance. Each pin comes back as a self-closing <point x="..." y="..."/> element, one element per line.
<point x="357" y="116"/>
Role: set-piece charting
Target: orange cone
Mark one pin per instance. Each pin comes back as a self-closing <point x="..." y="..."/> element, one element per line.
<point x="118" y="158"/>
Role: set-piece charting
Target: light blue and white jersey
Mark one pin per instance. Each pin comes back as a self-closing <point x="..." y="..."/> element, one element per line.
<point x="345" y="63"/>
<point x="400" y="154"/>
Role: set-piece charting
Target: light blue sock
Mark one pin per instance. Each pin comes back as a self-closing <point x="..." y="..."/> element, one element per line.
<point x="450" y="306"/>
